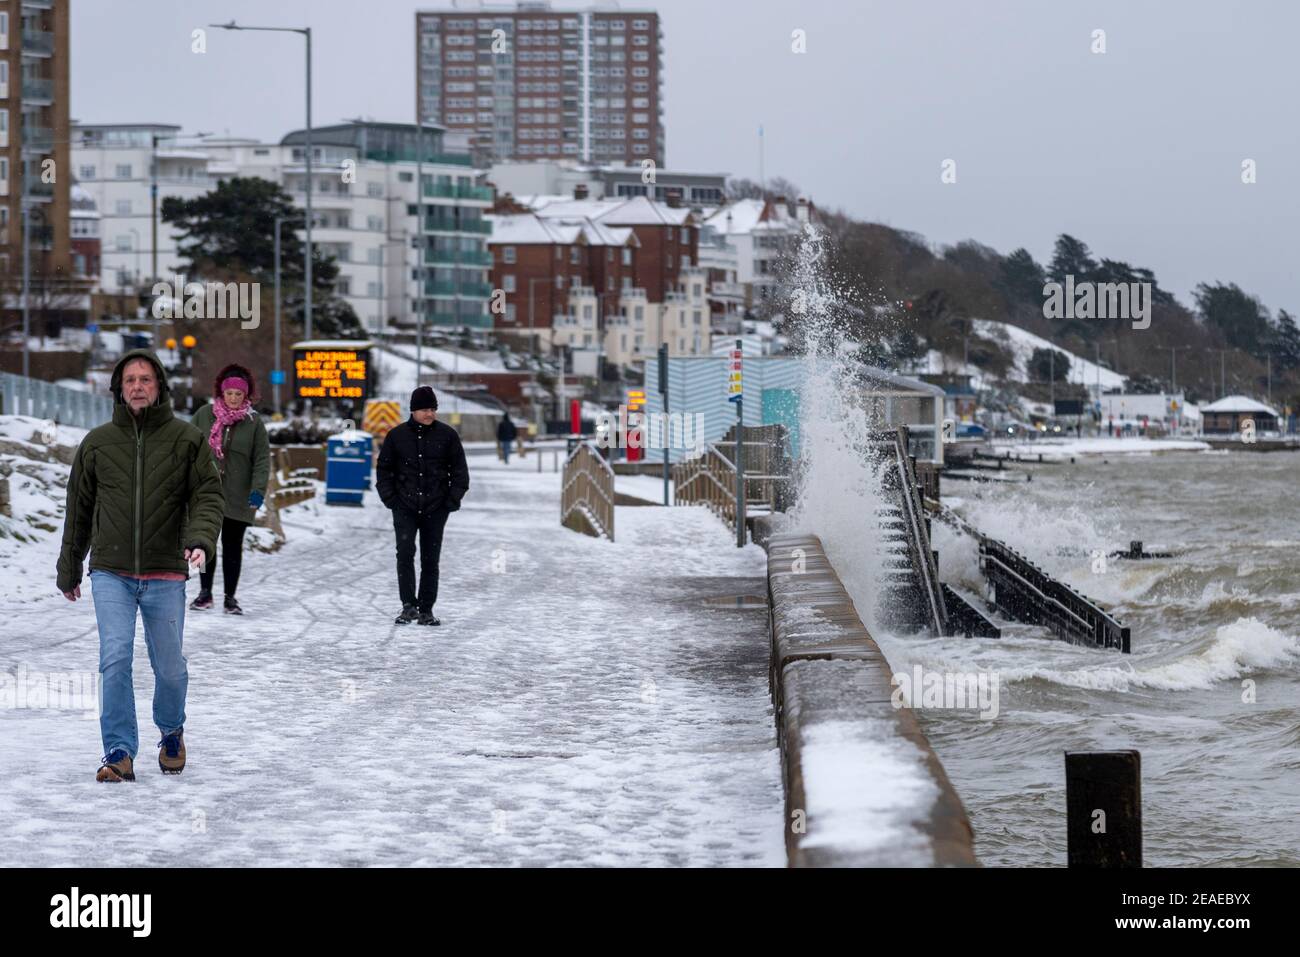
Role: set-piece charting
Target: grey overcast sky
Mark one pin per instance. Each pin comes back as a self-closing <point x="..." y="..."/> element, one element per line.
<point x="1137" y="151"/>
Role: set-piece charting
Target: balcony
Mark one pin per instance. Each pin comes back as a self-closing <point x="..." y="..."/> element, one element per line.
<point x="475" y="290"/>
<point x="33" y="188"/>
<point x="38" y="4"/>
<point x="37" y="139"/>
<point x="448" y="225"/>
<point x="37" y="92"/>
<point x="458" y="192"/>
<point x="38" y="43"/>
<point x="452" y="257"/>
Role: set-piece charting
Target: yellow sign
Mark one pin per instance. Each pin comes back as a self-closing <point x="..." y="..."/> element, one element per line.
<point x="381" y="415"/>
<point x="331" y="373"/>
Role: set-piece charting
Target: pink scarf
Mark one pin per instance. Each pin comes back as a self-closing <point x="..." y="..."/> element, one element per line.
<point x="224" y="416"/>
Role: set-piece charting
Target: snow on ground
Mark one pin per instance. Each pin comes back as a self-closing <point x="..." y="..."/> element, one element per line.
<point x="450" y="360"/>
<point x="1022" y="343"/>
<point x="581" y="704"/>
<point x="1054" y="449"/>
<point x="649" y="487"/>
<point x="397" y="381"/>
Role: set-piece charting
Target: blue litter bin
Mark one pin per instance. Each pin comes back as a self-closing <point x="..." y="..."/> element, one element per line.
<point x="348" y="459"/>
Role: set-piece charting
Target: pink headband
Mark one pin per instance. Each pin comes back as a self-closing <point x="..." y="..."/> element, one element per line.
<point x="234" y="382"/>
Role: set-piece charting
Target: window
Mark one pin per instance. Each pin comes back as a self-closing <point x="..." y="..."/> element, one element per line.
<point x="86" y="172"/>
<point x="508" y="282"/>
<point x="123" y="171"/>
<point x="573" y="254"/>
<point x="124" y="243"/>
<point x="559" y="282"/>
<point x="627" y="257"/>
<point x="406" y="178"/>
<point x="686" y="234"/>
<point x="123" y="207"/>
<point x="686" y="262"/>
<point x="508" y="254"/>
<point x="375" y="189"/>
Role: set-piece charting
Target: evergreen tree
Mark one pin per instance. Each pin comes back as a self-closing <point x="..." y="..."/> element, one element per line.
<point x="231" y="230"/>
<point x="1022" y="278"/>
<point x="1241" y="318"/>
<point x="1071" y="257"/>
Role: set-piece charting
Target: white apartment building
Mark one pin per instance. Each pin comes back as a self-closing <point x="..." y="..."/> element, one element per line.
<point x="113" y="163"/>
<point x="363" y="211"/>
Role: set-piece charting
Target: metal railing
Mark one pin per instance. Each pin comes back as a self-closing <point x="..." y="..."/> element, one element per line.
<point x="45" y="400"/>
<point x="587" y="493"/>
<point x="768" y="467"/>
<point x="917" y="529"/>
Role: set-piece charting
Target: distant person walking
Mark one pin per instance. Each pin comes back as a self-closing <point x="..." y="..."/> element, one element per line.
<point x="237" y="438"/>
<point x="422" y="476"/>
<point x="506" y="433"/>
<point x="144" y="498"/>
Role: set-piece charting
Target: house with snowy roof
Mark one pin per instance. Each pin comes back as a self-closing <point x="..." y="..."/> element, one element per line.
<point x="1228" y="416"/>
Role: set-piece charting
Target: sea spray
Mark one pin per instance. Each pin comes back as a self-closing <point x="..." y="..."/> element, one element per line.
<point x="840" y="494"/>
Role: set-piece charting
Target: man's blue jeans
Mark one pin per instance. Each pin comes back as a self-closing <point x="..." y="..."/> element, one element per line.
<point x="505" y="450"/>
<point x="162" y="606"/>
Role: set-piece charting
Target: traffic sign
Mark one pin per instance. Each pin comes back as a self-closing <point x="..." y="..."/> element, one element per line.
<point x="277" y="377"/>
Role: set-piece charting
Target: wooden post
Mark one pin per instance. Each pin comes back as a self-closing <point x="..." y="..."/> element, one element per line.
<point x="1103" y="798"/>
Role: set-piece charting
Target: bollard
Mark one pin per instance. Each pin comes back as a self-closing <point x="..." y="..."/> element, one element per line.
<point x="1103" y="799"/>
<point x="539" y="463"/>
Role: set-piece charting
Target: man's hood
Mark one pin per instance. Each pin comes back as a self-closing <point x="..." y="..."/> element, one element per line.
<point x="115" y="383"/>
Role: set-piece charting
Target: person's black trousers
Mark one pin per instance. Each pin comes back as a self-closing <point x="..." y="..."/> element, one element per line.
<point x="232" y="558"/>
<point x="428" y="526"/>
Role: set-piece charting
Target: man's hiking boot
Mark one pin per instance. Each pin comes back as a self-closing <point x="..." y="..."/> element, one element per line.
<point x="117" y="767"/>
<point x="172" y="756"/>
<point x="427" y="618"/>
<point x="408" y="615"/>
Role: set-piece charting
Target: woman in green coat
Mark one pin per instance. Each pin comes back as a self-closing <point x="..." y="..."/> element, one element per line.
<point x="237" y="437"/>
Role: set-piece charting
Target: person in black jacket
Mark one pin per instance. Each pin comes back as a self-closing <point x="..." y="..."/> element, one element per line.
<point x="421" y="476"/>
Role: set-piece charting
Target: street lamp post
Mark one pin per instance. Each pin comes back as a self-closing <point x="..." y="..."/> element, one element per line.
<point x="275" y="385"/>
<point x="306" y="32"/>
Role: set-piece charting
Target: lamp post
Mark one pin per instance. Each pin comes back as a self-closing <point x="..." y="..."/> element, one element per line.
<point x="306" y="32"/>
<point x="275" y="384"/>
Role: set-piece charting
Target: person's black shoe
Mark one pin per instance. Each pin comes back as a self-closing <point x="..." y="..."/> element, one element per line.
<point x="428" y="618"/>
<point x="202" y="602"/>
<point x="408" y="615"/>
<point x="232" y="606"/>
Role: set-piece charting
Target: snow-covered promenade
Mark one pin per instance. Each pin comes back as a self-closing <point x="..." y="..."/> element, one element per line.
<point x="581" y="703"/>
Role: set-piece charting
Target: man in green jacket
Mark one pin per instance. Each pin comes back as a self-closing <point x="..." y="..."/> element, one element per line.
<point x="144" y="498"/>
